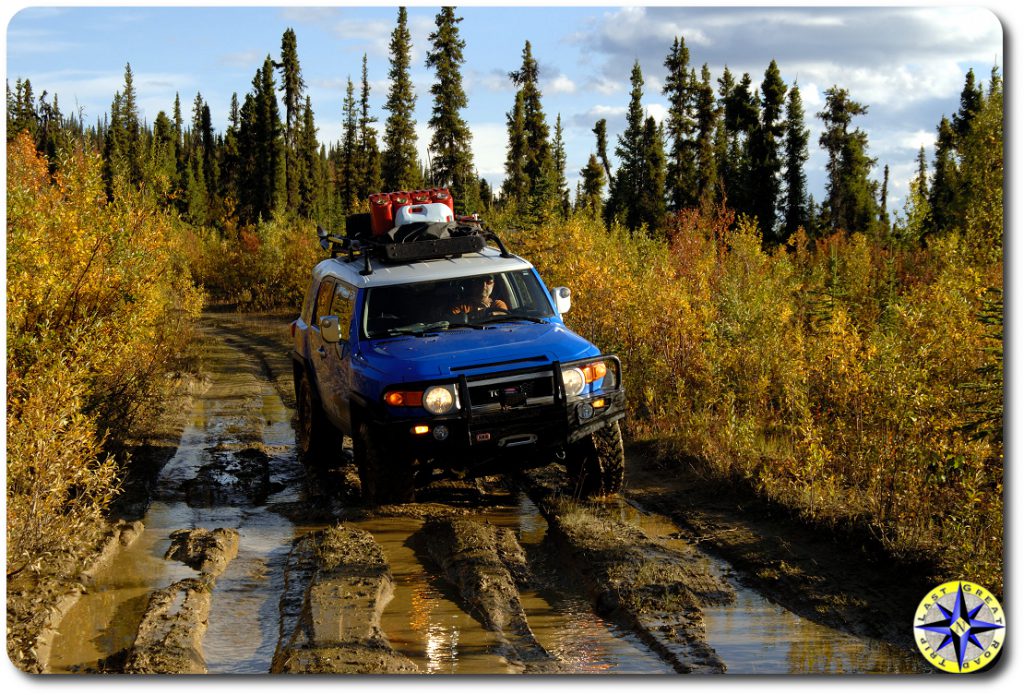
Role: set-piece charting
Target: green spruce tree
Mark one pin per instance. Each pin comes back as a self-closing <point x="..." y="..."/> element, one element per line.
<point x="765" y="181"/>
<point x="451" y="143"/>
<point x="796" y="212"/>
<point x="292" y="86"/>
<point x="400" y="169"/>
<point x="369" y="151"/>
<point x="681" y="124"/>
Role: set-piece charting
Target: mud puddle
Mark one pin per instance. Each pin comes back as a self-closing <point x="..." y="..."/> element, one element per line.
<point x="425" y="622"/>
<point x="240" y="444"/>
<point x="755" y="636"/>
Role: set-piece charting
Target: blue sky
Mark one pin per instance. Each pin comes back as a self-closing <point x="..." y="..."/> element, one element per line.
<point x="906" y="64"/>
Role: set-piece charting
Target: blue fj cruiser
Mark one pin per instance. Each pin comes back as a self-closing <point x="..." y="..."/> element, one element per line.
<point x="440" y="353"/>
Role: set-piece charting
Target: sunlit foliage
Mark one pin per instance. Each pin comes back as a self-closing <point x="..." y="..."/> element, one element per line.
<point x="839" y="377"/>
<point x="98" y="303"/>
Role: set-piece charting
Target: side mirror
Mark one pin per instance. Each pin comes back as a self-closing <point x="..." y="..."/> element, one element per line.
<point x="329" y="329"/>
<point x="563" y="299"/>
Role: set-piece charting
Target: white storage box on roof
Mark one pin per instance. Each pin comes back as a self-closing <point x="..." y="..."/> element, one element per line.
<point x="424" y="212"/>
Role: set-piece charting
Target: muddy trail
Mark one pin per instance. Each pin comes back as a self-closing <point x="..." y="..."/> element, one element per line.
<point x="238" y="559"/>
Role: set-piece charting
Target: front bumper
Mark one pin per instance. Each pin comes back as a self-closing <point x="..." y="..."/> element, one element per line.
<point x="479" y="432"/>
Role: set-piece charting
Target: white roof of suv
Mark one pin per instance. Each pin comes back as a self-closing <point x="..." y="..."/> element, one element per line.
<point x="487" y="261"/>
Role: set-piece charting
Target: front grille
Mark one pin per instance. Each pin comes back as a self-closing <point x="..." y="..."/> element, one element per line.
<point x="511" y="391"/>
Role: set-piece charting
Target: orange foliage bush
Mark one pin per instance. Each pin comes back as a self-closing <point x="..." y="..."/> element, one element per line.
<point x="98" y="304"/>
<point x="832" y="375"/>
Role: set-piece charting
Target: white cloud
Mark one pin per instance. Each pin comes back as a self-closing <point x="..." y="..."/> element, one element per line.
<point x="659" y="111"/>
<point x="369" y="37"/>
<point x="624" y="30"/>
<point x="606" y="86"/>
<point x="560" y="85"/>
<point x="243" y="59"/>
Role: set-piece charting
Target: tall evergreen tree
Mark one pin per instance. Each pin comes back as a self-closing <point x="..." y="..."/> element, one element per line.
<point x="727" y="148"/>
<point x="741" y="120"/>
<point x="765" y="182"/>
<point x="851" y="204"/>
<point x="797" y="212"/>
<point x="707" y="117"/>
<point x="515" y="188"/>
<point x="680" y="89"/>
<point x="944" y="197"/>
<point x="651" y="200"/>
<point x="369" y="151"/>
<point x="261" y="150"/>
<point x="883" y="205"/>
<point x="230" y="162"/>
<point x="970" y="104"/>
<point x="561" y="185"/>
<point x="400" y="169"/>
<point x="292" y="86"/>
<point x="592" y="188"/>
<point x="601" y="133"/>
<point x="163" y="165"/>
<point x="538" y="164"/>
<point x="981" y="175"/>
<point x="133" y="136"/>
<point x="632" y="150"/>
<point x="311" y="179"/>
<point x="348" y="183"/>
<point x="451" y="143"/>
<point x="115" y="166"/>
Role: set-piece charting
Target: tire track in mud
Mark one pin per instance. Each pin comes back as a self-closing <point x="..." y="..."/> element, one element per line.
<point x="483" y="562"/>
<point x="345" y="583"/>
<point x="655" y="591"/>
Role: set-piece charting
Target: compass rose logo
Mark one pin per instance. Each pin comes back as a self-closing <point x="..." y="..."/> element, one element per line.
<point x="959" y="627"/>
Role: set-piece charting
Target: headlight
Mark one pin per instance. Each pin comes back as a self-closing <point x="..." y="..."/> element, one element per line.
<point x="439" y="399"/>
<point x="574" y="381"/>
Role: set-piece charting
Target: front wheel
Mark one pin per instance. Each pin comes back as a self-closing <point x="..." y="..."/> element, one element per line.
<point x="312" y="436"/>
<point x="597" y="463"/>
<point x="385" y="474"/>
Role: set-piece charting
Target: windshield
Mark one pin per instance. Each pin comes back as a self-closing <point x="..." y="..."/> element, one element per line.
<point x="454" y="303"/>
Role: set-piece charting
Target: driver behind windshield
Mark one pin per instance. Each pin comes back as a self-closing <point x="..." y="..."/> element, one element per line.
<point x="477" y="298"/>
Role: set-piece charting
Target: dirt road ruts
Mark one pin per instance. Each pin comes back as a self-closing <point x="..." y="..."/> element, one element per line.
<point x="337" y="626"/>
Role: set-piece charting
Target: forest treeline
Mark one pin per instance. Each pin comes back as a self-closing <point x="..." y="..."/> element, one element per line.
<point x="844" y="358"/>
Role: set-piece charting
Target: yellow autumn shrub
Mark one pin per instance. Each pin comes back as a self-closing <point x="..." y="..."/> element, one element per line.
<point x="99" y="301"/>
<point x="834" y="376"/>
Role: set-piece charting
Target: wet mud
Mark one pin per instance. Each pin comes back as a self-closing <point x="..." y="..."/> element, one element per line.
<point x="647" y="587"/>
<point x="209" y="552"/>
<point x="483" y="562"/>
<point x="819" y="574"/>
<point x="336" y="627"/>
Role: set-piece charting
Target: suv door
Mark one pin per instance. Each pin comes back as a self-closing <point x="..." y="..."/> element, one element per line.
<point x="337" y="363"/>
<point x="319" y="350"/>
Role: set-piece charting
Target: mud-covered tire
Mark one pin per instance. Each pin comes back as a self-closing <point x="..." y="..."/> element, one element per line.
<point x="313" y="433"/>
<point x="386" y="475"/>
<point x="597" y="463"/>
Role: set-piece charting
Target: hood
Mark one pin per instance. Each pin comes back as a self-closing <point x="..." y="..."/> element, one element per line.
<point x="494" y="348"/>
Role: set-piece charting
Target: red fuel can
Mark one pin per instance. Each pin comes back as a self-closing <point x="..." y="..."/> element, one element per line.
<point x="442" y="195"/>
<point x="420" y="197"/>
<point x="382" y="217"/>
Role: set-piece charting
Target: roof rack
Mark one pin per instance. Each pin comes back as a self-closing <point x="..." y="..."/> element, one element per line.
<point x="411" y="246"/>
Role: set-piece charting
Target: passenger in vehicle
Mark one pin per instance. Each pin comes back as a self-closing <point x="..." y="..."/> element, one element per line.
<point x="477" y="298"/>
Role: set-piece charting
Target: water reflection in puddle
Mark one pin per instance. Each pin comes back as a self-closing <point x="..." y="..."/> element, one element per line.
<point x="755" y="636"/>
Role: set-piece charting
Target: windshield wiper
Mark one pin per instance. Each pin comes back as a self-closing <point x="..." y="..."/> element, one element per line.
<point x="418" y="328"/>
<point x="498" y="318"/>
